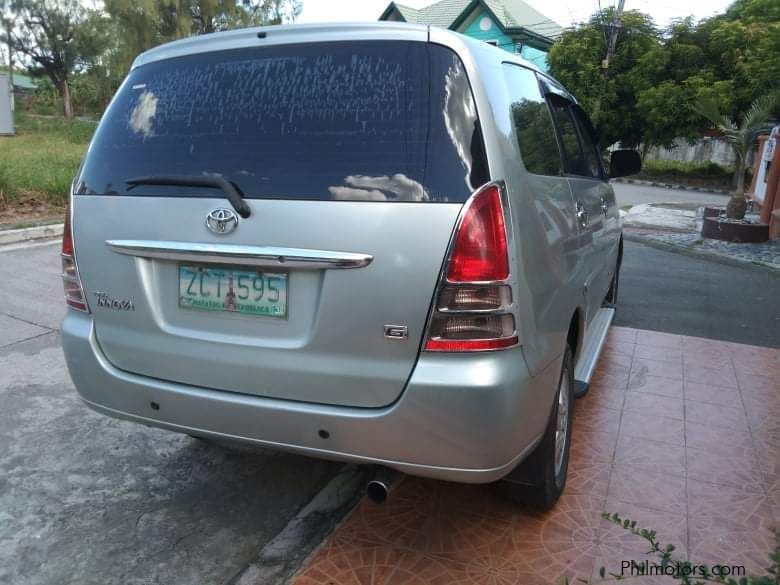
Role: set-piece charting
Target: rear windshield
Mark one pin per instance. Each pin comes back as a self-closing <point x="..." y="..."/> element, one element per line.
<point x="356" y="121"/>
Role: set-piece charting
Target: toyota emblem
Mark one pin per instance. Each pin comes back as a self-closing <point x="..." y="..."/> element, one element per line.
<point x="222" y="221"/>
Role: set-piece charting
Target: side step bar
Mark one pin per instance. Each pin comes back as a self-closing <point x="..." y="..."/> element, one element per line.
<point x="595" y="336"/>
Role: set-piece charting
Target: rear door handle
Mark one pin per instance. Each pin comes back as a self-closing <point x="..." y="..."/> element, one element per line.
<point x="582" y="215"/>
<point x="604" y="206"/>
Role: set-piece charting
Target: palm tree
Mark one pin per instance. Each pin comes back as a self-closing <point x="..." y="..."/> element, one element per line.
<point x="741" y="137"/>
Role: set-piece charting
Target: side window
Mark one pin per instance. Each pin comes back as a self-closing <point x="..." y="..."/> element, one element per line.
<point x="533" y="125"/>
<point x="589" y="147"/>
<point x="573" y="157"/>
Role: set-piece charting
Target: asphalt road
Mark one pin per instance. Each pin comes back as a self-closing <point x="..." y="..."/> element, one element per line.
<point x="85" y="499"/>
<point x="628" y="194"/>
<point x="666" y="291"/>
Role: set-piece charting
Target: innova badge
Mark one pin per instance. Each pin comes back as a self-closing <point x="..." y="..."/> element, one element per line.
<point x="222" y="221"/>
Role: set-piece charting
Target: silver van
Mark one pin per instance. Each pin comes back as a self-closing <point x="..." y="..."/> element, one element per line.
<point x="379" y="243"/>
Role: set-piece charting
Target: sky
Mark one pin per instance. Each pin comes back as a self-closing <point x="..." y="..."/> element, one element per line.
<point x="564" y="12"/>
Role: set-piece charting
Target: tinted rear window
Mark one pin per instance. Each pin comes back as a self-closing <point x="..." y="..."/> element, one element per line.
<point x="373" y="120"/>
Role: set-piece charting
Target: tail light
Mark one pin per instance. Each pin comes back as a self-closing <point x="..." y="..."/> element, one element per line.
<point x="74" y="292"/>
<point x="472" y="311"/>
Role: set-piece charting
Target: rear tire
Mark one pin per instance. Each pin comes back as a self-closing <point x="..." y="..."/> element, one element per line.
<point x="540" y="479"/>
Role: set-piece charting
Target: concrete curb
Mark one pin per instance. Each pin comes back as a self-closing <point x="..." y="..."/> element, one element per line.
<point x="294" y="546"/>
<point x="672" y="186"/>
<point x="30" y="234"/>
<point x="653" y="227"/>
<point x="656" y="216"/>
<point x="704" y="254"/>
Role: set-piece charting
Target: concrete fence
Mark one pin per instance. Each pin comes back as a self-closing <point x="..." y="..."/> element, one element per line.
<point x="704" y="150"/>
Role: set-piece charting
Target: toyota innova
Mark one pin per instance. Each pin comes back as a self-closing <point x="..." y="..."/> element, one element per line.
<point x="379" y="243"/>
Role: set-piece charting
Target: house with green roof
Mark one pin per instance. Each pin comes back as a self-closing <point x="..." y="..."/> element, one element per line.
<point x="511" y="25"/>
<point x="23" y="84"/>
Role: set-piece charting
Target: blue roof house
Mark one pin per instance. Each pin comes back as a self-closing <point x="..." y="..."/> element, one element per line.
<point x="512" y="25"/>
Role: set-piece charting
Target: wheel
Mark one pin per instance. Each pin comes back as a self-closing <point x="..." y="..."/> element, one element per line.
<point x="540" y="479"/>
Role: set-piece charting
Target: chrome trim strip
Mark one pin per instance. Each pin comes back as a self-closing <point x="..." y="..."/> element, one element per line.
<point x="506" y="281"/>
<point x="266" y="256"/>
<point x="502" y="310"/>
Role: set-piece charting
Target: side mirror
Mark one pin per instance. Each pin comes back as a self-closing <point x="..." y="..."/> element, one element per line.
<point x="623" y="163"/>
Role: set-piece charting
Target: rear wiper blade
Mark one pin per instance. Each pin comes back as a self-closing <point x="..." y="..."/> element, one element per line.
<point x="213" y="181"/>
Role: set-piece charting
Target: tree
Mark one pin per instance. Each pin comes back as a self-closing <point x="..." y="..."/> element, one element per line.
<point x="669" y="79"/>
<point x="5" y="47"/>
<point x="142" y="24"/>
<point x="575" y="59"/>
<point x="658" y="77"/>
<point x="279" y="11"/>
<point x="58" y="37"/>
<point x="742" y="45"/>
<point x="741" y="137"/>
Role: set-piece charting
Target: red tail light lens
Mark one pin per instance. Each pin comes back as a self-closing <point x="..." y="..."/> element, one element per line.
<point x="67" y="236"/>
<point x="473" y="309"/>
<point x="469" y="344"/>
<point x="480" y="250"/>
<point x="74" y="292"/>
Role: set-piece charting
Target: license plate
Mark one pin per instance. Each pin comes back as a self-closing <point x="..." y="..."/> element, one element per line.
<point x="249" y="292"/>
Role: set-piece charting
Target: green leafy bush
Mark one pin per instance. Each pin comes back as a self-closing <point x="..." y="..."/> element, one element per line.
<point x="89" y="95"/>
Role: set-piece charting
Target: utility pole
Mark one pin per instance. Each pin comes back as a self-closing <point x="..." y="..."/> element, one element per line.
<point x="614" y="29"/>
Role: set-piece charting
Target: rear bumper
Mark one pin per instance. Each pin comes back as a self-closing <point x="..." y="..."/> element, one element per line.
<point x="461" y="418"/>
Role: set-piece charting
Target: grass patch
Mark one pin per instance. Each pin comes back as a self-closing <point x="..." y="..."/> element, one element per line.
<point x="694" y="174"/>
<point x="40" y="161"/>
<point x="28" y="224"/>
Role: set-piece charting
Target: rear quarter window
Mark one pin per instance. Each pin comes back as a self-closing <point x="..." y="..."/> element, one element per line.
<point x="533" y="125"/>
<point x="358" y="121"/>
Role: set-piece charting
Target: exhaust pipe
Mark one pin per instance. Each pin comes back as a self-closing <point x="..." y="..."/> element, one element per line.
<point x="378" y="488"/>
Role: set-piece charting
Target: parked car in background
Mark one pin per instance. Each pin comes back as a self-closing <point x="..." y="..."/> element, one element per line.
<point x="380" y="243"/>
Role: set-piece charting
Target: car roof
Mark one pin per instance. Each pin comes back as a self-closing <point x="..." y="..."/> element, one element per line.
<point x="312" y="33"/>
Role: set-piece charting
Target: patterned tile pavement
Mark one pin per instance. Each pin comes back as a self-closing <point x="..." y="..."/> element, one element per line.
<point x="681" y="434"/>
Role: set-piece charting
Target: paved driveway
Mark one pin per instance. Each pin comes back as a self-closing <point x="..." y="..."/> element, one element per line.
<point x="87" y="499"/>
<point x="679" y="434"/>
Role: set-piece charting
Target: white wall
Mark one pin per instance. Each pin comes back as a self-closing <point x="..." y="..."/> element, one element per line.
<point x="706" y="149"/>
<point x="6" y="115"/>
